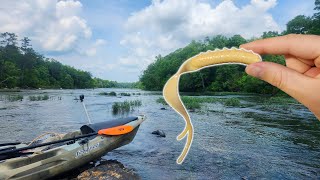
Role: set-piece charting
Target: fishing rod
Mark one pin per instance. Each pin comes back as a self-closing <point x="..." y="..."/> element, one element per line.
<point x="9" y="151"/>
<point x="84" y="107"/>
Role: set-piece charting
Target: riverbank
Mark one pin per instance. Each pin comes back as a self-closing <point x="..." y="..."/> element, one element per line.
<point x="10" y="90"/>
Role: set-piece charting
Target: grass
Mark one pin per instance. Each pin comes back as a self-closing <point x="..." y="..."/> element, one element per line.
<point x="277" y="103"/>
<point x="112" y="93"/>
<point x="280" y="100"/>
<point x="209" y="93"/>
<point x="161" y="101"/>
<point x="196" y="102"/>
<point x="39" y="98"/>
<point x="13" y="98"/>
<point x="125" y="107"/>
<point x="135" y="103"/>
<point x="232" y="102"/>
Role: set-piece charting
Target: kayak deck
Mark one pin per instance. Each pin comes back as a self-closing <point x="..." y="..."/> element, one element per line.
<point x="51" y="162"/>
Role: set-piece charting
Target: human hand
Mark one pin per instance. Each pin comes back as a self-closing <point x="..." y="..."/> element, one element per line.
<point x="301" y="78"/>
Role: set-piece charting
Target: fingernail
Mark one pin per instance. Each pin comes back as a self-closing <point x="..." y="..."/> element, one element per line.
<point x="254" y="70"/>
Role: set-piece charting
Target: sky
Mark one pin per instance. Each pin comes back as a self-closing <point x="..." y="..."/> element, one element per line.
<point x="118" y="39"/>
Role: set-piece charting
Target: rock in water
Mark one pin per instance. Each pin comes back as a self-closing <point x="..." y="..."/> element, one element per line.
<point x="110" y="169"/>
<point x="159" y="133"/>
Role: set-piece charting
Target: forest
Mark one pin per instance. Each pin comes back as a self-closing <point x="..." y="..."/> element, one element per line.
<point x="231" y="78"/>
<point x="22" y="67"/>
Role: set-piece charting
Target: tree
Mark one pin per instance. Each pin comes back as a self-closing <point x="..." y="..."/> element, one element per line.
<point x="317" y="7"/>
<point x="270" y="34"/>
<point x="316" y="19"/>
<point x="8" y="39"/>
<point x="10" y="75"/>
<point x="236" y="41"/>
<point x="299" y="25"/>
<point x="25" y="44"/>
<point x="23" y="67"/>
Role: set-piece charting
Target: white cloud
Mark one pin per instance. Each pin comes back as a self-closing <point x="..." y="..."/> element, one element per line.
<point x="91" y="50"/>
<point x="51" y="25"/>
<point x="170" y="24"/>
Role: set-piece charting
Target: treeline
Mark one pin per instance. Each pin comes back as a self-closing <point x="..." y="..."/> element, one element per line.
<point x="22" y="67"/>
<point x="231" y="78"/>
<point x="100" y="83"/>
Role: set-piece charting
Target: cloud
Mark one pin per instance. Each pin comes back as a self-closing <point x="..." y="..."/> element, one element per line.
<point x="91" y="50"/>
<point x="53" y="26"/>
<point x="170" y="24"/>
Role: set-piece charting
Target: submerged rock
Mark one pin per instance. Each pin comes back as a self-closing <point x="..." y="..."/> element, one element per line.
<point x="160" y="133"/>
<point x="111" y="169"/>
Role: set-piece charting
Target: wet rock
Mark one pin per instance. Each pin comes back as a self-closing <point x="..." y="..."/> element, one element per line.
<point x="111" y="169"/>
<point x="160" y="133"/>
<point x="163" y="108"/>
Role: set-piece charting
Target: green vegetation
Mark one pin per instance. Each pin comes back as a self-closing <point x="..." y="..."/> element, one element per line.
<point x="234" y="102"/>
<point x="125" y="107"/>
<point x="231" y="78"/>
<point x="112" y="93"/>
<point x="281" y="100"/>
<point x="196" y="102"/>
<point x="124" y="94"/>
<point x="135" y="103"/>
<point x="100" y="83"/>
<point x="25" y="68"/>
<point x="161" y="101"/>
<point x="13" y="98"/>
<point x="39" y="98"/>
<point x="21" y="66"/>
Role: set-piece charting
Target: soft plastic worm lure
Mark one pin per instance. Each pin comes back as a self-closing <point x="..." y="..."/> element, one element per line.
<point x="196" y="63"/>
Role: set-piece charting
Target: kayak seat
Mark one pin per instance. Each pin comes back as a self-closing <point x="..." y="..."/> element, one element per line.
<point x="94" y="128"/>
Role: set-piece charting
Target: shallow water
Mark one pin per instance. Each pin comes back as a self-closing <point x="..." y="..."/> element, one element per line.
<point x="252" y="142"/>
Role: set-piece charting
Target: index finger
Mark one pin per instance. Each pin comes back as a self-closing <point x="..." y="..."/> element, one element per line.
<point x="302" y="46"/>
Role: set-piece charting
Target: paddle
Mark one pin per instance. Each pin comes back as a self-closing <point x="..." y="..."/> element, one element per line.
<point x="118" y="130"/>
<point x="10" y="143"/>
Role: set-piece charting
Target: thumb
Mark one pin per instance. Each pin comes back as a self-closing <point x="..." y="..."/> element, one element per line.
<point x="293" y="83"/>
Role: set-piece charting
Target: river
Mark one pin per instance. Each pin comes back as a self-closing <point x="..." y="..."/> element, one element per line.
<point x="252" y="142"/>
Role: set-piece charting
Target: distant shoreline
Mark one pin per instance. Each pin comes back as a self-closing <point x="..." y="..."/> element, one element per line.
<point x="207" y="93"/>
<point x="20" y="90"/>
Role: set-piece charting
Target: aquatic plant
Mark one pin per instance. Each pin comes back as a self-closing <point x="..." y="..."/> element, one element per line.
<point x="112" y="93"/>
<point x="125" y="107"/>
<point x="280" y="100"/>
<point x="192" y="102"/>
<point x="45" y="97"/>
<point x="161" y="101"/>
<point x="234" y="102"/>
<point x="135" y="103"/>
<point x="39" y="98"/>
<point x="13" y="98"/>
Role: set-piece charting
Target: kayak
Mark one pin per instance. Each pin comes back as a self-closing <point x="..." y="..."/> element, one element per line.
<point x="61" y="153"/>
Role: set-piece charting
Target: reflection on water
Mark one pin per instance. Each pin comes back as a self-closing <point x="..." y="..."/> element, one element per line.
<point x="278" y="141"/>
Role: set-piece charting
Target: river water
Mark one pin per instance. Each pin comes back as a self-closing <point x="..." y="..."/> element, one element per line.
<point x="252" y="142"/>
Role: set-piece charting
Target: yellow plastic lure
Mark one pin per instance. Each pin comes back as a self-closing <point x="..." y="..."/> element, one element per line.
<point x="196" y="63"/>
